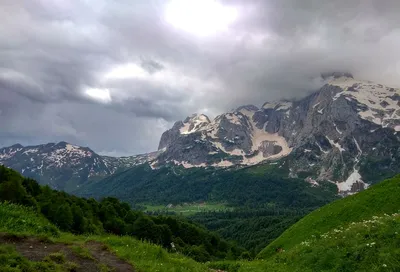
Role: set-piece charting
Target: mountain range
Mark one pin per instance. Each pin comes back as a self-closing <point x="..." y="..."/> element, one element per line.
<point x="65" y="166"/>
<point x="346" y="133"/>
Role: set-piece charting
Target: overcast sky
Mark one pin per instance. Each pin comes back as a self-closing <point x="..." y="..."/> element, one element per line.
<point x="113" y="75"/>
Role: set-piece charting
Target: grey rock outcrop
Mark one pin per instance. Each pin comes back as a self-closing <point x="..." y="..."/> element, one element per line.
<point x="336" y="134"/>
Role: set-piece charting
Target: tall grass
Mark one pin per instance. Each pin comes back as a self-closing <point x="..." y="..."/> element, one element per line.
<point x="20" y="219"/>
<point x="149" y="257"/>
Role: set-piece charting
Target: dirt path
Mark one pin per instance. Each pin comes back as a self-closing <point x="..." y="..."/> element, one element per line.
<point x="101" y="254"/>
<point x="35" y="249"/>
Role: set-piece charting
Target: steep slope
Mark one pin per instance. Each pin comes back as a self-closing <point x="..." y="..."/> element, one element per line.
<point x="378" y="200"/>
<point x="371" y="245"/>
<point x="346" y="133"/>
<point x="65" y="166"/>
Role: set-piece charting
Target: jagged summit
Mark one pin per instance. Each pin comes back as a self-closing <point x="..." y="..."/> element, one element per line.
<point x="17" y="146"/>
<point x="247" y="108"/>
<point x="328" y="75"/>
<point x="329" y="135"/>
<point x="194" y="123"/>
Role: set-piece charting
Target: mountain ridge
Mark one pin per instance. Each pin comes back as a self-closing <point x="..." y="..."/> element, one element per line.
<point x="333" y="134"/>
<point x="63" y="165"/>
<point x="346" y="133"/>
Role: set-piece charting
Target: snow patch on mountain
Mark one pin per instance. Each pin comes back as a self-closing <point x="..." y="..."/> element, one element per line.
<point x="32" y="150"/>
<point x="320" y="148"/>
<point x="194" y="123"/>
<point x="223" y="163"/>
<point x="336" y="128"/>
<point x="233" y="118"/>
<point x="188" y="165"/>
<point x="234" y="152"/>
<point x="337" y="145"/>
<point x="278" y="106"/>
<point x="378" y="104"/>
<point x="353" y="179"/>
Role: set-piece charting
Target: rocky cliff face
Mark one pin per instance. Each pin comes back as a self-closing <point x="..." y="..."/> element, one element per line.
<point x="339" y="134"/>
<point x="63" y="165"/>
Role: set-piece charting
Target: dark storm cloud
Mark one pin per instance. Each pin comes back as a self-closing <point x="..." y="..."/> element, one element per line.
<point x="63" y="65"/>
<point x="151" y="66"/>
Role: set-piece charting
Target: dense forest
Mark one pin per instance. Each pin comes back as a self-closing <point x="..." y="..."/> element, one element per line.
<point x="250" y="187"/>
<point x="263" y="202"/>
<point x="79" y="215"/>
<point x="252" y="228"/>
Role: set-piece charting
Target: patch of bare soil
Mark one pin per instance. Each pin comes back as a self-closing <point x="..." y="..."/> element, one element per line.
<point x="100" y="253"/>
<point x="35" y="249"/>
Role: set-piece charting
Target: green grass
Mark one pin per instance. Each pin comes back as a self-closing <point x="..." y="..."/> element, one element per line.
<point x="375" y="201"/>
<point x="188" y="209"/>
<point x="57" y="257"/>
<point x="19" y="219"/>
<point x="81" y="251"/>
<point x="149" y="257"/>
<point x="12" y="261"/>
<point x="142" y="255"/>
<point x="104" y="268"/>
<point x="369" y="245"/>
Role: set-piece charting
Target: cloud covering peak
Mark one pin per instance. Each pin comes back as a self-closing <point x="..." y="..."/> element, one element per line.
<point x="113" y="75"/>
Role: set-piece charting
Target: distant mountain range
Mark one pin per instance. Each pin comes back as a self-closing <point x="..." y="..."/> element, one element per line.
<point x="65" y="166"/>
<point x="347" y="133"/>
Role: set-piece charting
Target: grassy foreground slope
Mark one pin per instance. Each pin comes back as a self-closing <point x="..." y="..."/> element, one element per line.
<point x="369" y="245"/>
<point x="20" y="221"/>
<point x="375" y="201"/>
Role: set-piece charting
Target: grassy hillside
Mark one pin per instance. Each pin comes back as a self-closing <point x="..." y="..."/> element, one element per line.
<point x="21" y="219"/>
<point x="375" y="201"/>
<point x="20" y="223"/>
<point x="369" y="245"/>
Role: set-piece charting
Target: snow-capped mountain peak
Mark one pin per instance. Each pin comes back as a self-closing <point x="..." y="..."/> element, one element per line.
<point x="330" y="135"/>
<point x="376" y="103"/>
<point x="194" y="123"/>
<point x="63" y="165"/>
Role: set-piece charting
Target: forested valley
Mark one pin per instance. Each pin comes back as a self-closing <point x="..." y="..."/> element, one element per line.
<point x="89" y="216"/>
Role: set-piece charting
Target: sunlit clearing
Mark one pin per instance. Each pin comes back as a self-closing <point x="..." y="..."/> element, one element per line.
<point x="100" y="95"/>
<point x="200" y="17"/>
<point x="126" y="71"/>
